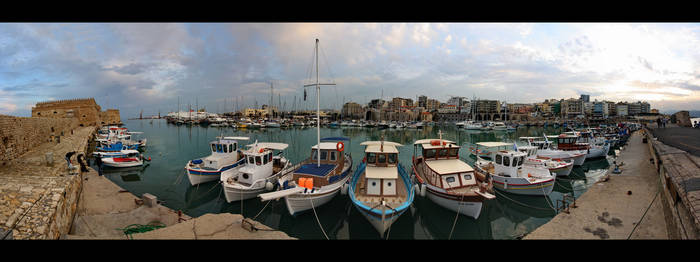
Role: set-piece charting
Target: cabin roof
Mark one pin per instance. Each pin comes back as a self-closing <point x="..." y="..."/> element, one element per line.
<point x="267" y="145"/>
<point x="376" y="149"/>
<point x="448" y="166"/>
<point x="427" y="141"/>
<point x="493" y="144"/>
<point x="390" y="172"/>
<point x="325" y="146"/>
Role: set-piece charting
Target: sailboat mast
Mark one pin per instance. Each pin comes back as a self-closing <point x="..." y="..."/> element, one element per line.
<point x="318" y="111"/>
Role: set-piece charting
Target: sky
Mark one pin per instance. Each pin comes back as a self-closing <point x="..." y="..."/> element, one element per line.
<point x="229" y="66"/>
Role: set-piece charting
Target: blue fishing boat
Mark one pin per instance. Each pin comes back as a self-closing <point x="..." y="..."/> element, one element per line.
<point x="225" y="158"/>
<point x="381" y="189"/>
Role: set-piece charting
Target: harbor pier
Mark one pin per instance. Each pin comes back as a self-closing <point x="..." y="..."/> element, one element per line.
<point x="619" y="206"/>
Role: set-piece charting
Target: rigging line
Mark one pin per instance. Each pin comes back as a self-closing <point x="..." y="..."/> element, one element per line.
<point x="517" y="202"/>
<point x="319" y="222"/>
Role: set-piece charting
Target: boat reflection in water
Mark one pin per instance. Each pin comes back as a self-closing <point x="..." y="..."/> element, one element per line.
<point x="126" y="174"/>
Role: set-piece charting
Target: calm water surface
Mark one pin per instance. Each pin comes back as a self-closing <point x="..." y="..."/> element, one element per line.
<point x="506" y="217"/>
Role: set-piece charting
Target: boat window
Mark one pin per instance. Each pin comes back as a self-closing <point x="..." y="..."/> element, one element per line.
<point x="430" y="153"/>
<point x="450" y="179"/>
<point x="392" y="159"/>
<point x="332" y="156"/>
<point x="498" y="159"/>
<point x="324" y="155"/>
<point x="225" y="149"/>
<point x="251" y="160"/>
<point x="218" y="148"/>
<point x="265" y="159"/>
<point x="381" y="158"/>
<point x="230" y="148"/>
<point x="454" y="151"/>
<point x="270" y="156"/>
<point x="315" y="155"/>
<point x="213" y="147"/>
<point x="506" y="161"/>
<point x="257" y="160"/>
<point x="467" y="177"/>
<point x="443" y="153"/>
<point x="371" y="158"/>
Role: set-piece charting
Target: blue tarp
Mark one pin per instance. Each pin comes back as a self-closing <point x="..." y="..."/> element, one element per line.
<point x="312" y="169"/>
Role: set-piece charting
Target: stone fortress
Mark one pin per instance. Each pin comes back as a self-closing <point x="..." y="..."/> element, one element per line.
<point x="85" y="110"/>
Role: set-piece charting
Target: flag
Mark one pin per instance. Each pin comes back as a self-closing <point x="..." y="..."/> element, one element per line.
<point x="515" y="147"/>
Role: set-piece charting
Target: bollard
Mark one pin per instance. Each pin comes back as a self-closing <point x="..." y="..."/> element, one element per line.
<point x="150" y="200"/>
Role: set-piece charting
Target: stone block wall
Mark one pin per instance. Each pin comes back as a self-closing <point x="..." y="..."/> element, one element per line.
<point x="19" y="134"/>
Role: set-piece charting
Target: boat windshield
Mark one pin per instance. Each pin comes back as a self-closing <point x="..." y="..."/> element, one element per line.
<point x="392" y="158"/>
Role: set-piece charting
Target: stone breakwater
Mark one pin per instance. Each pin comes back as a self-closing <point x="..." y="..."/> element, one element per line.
<point x="39" y="196"/>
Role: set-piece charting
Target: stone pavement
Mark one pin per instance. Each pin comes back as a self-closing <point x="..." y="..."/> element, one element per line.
<point x="684" y="138"/>
<point x="214" y="226"/>
<point x="612" y="208"/>
<point x="38" y="197"/>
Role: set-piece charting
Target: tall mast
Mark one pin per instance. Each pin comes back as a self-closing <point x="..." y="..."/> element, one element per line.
<point x="318" y="109"/>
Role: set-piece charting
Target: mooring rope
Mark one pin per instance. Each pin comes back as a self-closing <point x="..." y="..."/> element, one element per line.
<point x="319" y="222"/>
<point x="522" y="204"/>
<point x="456" y="217"/>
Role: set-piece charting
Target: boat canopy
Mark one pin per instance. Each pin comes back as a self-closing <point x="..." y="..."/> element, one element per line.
<point x="493" y="144"/>
<point x="325" y="146"/>
<point x="275" y="146"/>
<point x="378" y="149"/>
<point x="386" y="143"/>
<point x="428" y="141"/>
<point x="235" y="138"/>
<point x="448" y="166"/>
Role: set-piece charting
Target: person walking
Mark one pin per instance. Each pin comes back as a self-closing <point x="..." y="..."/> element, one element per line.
<point x="98" y="162"/>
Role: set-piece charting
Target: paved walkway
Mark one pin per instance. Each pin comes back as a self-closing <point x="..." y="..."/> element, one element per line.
<point x="613" y="209"/>
<point x="684" y="138"/>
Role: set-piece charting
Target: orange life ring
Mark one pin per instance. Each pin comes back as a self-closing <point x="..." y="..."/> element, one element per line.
<point x="340" y="146"/>
<point x="261" y="150"/>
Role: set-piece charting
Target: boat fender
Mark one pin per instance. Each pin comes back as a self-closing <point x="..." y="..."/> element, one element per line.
<point x="344" y="189"/>
<point x="422" y="190"/>
<point x="505" y="184"/>
<point x="269" y="186"/>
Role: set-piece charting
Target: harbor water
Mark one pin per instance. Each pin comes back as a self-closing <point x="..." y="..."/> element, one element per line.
<point x="506" y="217"/>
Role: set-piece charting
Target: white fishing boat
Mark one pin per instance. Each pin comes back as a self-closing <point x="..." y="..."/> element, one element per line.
<point x="460" y="124"/>
<point x="570" y="144"/>
<point x="225" y="158"/>
<point x="447" y="180"/>
<point x="381" y="189"/>
<point x="510" y="175"/>
<point x="499" y="126"/>
<point x="259" y="173"/>
<point x="130" y="159"/>
<point x="486" y="149"/>
<point x="472" y="126"/>
<point x="599" y="147"/>
<point x="317" y="180"/>
<point x="545" y="150"/>
<point x="557" y="167"/>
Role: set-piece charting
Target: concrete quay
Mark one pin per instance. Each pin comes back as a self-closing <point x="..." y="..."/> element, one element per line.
<point x="619" y="206"/>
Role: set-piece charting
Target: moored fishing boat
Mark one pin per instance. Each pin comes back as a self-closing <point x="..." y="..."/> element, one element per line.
<point x="225" y="158"/>
<point x="130" y="159"/>
<point x="447" y="180"/>
<point x="259" y="173"/>
<point x="510" y="175"/>
<point x="556" y="167"/>
<point x="380" y="189"/>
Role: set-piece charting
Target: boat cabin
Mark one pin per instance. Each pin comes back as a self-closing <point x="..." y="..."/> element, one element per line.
<point x="440" y="164"/>
<point x="330" y="169"/>
<point x="260" y="162"/>
<point x="570" y="142"/>
<point x="529" y="150"/>
<point x="486" y="149"/>
<point x="223" y="152"/>
<point x="381" y="172"/>
<point x="507" y="163"/>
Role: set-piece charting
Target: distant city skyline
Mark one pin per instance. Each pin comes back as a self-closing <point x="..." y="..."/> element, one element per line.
<point x="228" y="66"/>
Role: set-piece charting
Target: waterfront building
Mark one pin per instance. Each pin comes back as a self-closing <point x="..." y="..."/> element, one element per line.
<point x="586" y="98"/>
<point x="571" y="108"/>
<point x="352" y="110"/>
<point x="622" y="109"/>
<point x="423" y="101"/>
